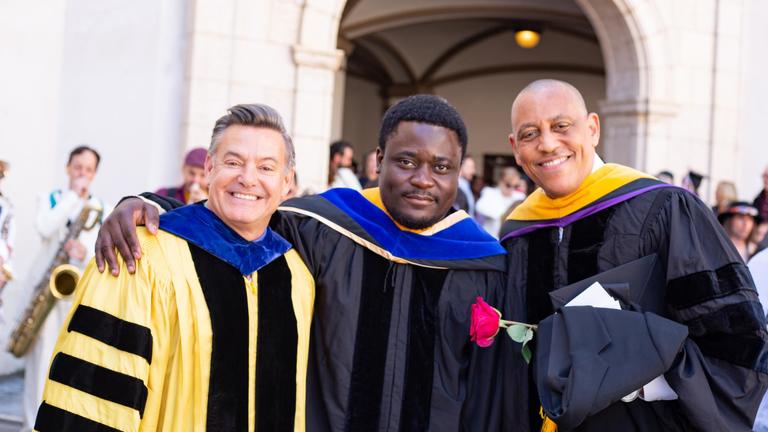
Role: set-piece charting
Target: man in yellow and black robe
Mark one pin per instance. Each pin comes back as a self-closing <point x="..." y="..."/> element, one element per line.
<point x="212" y="331"/>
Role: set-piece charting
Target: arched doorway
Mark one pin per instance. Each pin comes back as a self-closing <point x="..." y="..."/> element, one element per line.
<point x="466" y="53"/>
<point x="464" y="50"/>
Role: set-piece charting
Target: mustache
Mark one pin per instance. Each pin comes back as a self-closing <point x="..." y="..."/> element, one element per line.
<point x="422" y="194"/>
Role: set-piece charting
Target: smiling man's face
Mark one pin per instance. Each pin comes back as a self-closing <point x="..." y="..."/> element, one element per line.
<point x="248" y="177"/>
<point x="554" y="138"/>
<point x="419" y="173"/>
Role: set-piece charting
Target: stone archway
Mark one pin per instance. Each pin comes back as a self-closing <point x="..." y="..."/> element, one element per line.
<point x="631" y="46"/>
<point x="633" y="105"/>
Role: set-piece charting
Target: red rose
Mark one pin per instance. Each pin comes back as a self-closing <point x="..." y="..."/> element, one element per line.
<point x="485" y="323"/>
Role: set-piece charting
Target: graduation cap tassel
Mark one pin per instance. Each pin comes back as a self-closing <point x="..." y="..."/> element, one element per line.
<point x="547" y="425"/>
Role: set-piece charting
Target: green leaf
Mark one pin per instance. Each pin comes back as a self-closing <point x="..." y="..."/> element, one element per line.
<point x="528" y="336"/>
<point x="517" y="332"/>
<point x="522" y="334"/>
<point x="526" y="351"/>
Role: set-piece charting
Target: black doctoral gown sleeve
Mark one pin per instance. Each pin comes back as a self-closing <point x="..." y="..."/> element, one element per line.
<point x="720" y="375"/>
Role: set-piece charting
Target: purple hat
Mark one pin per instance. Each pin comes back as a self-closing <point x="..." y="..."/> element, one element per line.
<point x="196" y="157"/>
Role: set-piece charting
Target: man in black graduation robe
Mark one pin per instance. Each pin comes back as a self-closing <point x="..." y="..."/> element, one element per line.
<point x="396" y="274"/>
<point x="588" y="217"/>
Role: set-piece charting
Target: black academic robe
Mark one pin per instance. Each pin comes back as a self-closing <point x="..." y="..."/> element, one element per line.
<point x="390" y="347"/>
<point x="720" y="373"/>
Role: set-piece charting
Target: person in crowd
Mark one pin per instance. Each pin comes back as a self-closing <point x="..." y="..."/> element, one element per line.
<point x="7" y="274"/>
<point x="527" y="186"/>
<point x="588" y="217"/>
<point x="465" y="200"/>
<point x="739" y="219"/>
<point x="370" y="176"/>
<point x="195" y="186"/>
<point x="759" y="235"/>
<point x="666" y="176"/>
<point x="56" y="211"/>
<point x="495" y="202"/>
<point x="511" y="208"/>
<point x="340" y="173"/>
<point x="691" y="182"/>
<point x="478" y="184"/>
<point x="397" y="272"/>
<point x="212" y="331"/>
<point x="725" y="194"/>
<point x="7" y="232"/>
<point x="761" y="200"/>
<point x="758" y="266"/>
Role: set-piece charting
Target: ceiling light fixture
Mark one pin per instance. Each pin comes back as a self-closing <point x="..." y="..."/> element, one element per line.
<point x="527" y="38"/>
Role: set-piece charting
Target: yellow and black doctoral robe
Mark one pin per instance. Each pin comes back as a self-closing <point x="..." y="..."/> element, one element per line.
<point x="390" y="347"/>
<point x="617" y="216"/>
<point x="211" y="333"/>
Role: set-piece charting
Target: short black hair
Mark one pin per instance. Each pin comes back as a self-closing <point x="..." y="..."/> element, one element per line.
<point x="338" y="147"/>
<point x="82" y="149"/>
<point x="427" y="109"/>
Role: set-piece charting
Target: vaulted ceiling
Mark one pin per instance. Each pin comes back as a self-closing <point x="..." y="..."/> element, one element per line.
<point x="407" y="46"/>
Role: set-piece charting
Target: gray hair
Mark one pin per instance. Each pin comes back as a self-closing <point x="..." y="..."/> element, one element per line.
<point x="257" y="115"/>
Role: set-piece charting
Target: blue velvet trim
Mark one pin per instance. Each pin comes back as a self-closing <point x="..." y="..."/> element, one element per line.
<point x="464" y="240"/>
<point x="201" y="227"/>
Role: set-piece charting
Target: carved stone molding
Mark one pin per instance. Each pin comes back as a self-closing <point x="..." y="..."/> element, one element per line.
<point x="331" y="60"/>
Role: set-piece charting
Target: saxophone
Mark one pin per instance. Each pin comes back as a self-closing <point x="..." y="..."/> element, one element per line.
<point x="58" y="282"/>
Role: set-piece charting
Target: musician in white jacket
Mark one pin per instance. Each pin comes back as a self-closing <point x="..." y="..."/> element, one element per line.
<point x="56" y="211"/>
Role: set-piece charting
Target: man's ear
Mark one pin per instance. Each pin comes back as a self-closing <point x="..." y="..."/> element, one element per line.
<point x="208" y="166"/>
<point x="287" y="183"/>
<point x="593" y="124"/>
<point x="513" y="143"/>
<point x="379" y="158"/>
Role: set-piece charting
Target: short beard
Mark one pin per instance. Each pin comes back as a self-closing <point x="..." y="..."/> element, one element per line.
<point x="412" y="223"/>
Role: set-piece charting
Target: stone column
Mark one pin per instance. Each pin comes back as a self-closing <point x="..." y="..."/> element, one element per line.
<point x="313" y="109"/>
<point x="620" y="134"/>
<point x="632" y="129"/>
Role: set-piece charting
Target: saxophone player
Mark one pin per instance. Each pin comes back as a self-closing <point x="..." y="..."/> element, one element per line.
<point x="56" y="210"/>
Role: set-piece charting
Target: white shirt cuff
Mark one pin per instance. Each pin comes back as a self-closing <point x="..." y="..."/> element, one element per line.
<point x="658" y="389"/>
<point x="160" y="210"/>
